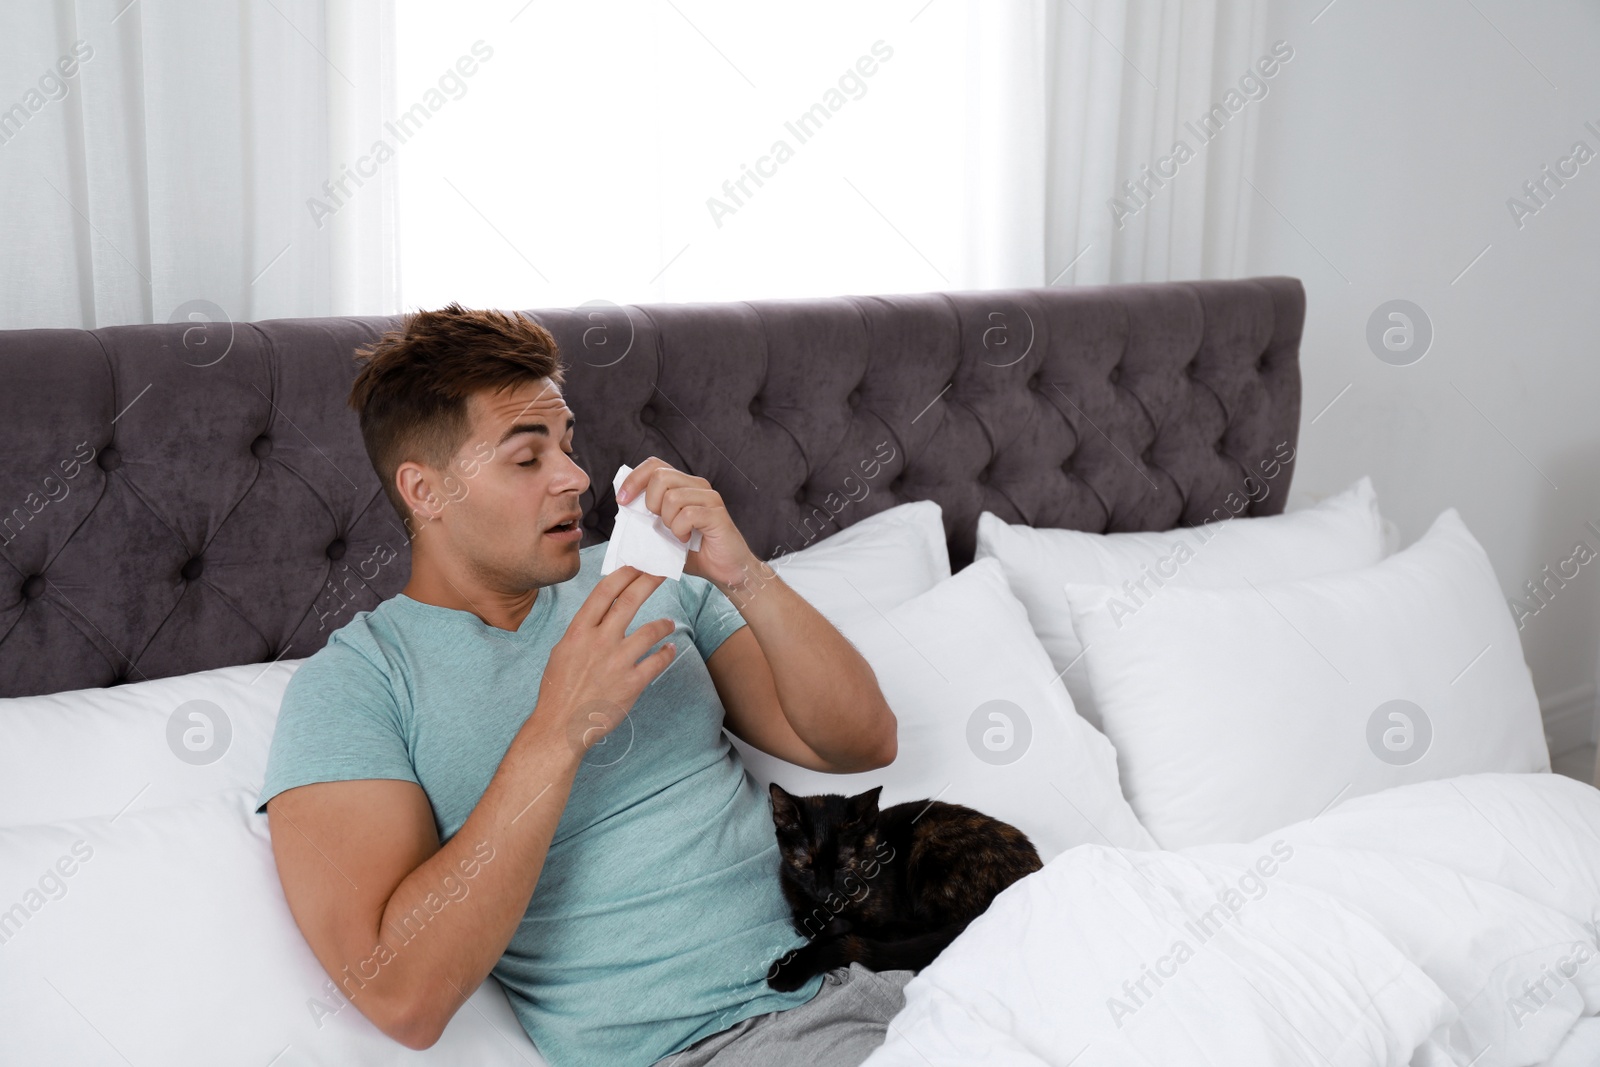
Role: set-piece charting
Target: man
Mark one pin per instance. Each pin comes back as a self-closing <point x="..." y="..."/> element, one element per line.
<point x="497" y="770"/>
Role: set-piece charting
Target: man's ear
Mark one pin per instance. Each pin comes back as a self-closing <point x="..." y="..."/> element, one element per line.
<point x="411" y="481"/>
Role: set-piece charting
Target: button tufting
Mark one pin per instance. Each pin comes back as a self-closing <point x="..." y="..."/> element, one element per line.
<point x="647" y="415"/>
<point x="335" y="549"/>
<point x="1033" y="383"/>
<point x="193" y="569"/>
<point x="1261" y="364"/>
<point x="110" y="459"/>
<point x="1220" y="449"/>
<point x="899" y="480"/>
<point x="261" y="447"/>
<point x="800" y="495"/>
<point x="854" y="399"/>
<point x="1146" y="456"/>
<point x="33" y="588"/>
<point x="1189" y="369"/>
<point x="755" y="405"/>
<point x="1116" y="374"/>
<point x="983" y="476"/>
<point x="592" y="520"/>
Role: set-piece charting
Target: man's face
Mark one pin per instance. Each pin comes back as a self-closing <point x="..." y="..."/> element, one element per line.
<point x="514" y="479"/>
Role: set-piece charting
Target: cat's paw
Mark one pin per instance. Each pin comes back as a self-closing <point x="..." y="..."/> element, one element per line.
<point x="788" y="981"/>
<point x="790" y="971"/>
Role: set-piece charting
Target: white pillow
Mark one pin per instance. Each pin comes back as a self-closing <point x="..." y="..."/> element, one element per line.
<point x="872" y="565"/>
<point x="139" y="745"/>
<point x="965" y="675"/>
<point x="1341" y="533"/>
<point x="1238" y="710"/>
<point x="162" y="936"/>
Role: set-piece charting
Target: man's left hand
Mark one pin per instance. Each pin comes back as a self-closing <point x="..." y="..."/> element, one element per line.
<point x="687" y="503"/>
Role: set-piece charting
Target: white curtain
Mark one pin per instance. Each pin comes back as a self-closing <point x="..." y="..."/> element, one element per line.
<point x="1072" y="100"/>
<point x="158" y="156"/>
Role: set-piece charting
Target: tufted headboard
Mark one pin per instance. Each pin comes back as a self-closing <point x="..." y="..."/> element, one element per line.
<point x="186" y="496"/>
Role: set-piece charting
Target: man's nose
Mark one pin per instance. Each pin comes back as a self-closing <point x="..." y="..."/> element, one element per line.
<point x="580" y="477"/>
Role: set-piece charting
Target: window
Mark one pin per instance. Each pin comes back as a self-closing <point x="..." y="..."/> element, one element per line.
<point x="671" y="150"/>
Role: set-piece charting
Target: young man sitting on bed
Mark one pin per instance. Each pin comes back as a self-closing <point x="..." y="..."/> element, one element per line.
<point x="482" y="775"/>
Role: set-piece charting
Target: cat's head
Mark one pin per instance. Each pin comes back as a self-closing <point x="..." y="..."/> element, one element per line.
<point x="827" y="839"/>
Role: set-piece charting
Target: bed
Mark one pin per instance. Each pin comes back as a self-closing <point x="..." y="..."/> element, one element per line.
<point x="189" y="513"/>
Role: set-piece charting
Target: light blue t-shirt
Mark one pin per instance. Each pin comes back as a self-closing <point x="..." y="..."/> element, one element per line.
<point x="658" y="910"/>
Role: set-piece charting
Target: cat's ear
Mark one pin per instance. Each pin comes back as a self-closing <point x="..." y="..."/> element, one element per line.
<point x="864" y="804"/>
<point x="785" y="812"/>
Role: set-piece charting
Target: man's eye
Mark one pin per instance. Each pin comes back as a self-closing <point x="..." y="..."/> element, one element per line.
<point x="530" y="462"/>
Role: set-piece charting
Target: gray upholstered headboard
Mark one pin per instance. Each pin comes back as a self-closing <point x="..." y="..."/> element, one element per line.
<point x="180" y="497"/>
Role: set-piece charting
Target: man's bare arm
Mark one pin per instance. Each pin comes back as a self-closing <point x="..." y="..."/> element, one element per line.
<point x="805" y="694"/>
<point x="794" y="687"/>
<point x="409" y="929"/>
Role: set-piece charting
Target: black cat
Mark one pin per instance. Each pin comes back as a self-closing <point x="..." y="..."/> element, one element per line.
<point x="889" y="889"/>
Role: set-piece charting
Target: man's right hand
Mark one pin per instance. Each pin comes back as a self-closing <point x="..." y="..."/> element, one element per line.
<point x="595" y="674"/>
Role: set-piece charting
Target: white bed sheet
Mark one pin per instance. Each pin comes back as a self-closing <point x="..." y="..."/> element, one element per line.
<point x="1429" y="924"/>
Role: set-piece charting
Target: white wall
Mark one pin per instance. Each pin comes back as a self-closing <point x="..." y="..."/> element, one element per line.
<point x="1388" y="153"/>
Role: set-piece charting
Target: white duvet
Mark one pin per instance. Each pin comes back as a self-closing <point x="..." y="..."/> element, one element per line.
<point x="1445" y="923"/>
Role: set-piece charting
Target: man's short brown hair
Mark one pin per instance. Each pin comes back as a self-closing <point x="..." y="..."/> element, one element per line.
<point x="414" y="382"/>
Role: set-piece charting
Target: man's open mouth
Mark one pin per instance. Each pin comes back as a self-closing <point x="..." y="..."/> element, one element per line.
<point x="564" y="527"/>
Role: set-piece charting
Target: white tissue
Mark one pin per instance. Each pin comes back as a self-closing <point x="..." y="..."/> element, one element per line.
<point x="640" y="539"/>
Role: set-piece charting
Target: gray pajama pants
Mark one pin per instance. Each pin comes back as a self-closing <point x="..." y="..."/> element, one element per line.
<point x="839" y="1027"/>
